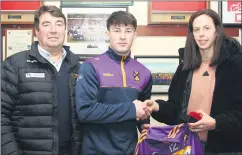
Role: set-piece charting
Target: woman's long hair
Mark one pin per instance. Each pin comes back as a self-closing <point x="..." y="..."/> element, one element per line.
<point x="192" y="56"/>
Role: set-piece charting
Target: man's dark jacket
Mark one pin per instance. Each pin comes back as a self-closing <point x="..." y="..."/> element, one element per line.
<point x="29" y="124"/>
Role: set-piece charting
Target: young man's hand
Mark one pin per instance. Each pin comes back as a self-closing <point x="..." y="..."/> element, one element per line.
<point x="141" y="114"/>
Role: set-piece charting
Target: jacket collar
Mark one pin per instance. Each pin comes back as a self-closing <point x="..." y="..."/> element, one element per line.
<point x="117" y="58"/>
<point x="229" y="47"/>
<point x="71" y="58"/>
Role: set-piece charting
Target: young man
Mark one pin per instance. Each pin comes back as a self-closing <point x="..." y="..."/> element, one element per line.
<point x="109" y="91"/>
<point x="37" y="104"/>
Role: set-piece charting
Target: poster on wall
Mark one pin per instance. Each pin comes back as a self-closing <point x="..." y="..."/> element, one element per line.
<point x="86" y="29"/>
<point x="173" y="12"/>
<point x="231" y="12"/>
<point x="17" y="40"/>
<point x="162" y="70"/>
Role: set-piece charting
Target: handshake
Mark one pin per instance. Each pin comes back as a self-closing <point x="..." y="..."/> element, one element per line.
<point x="144" y="109"/>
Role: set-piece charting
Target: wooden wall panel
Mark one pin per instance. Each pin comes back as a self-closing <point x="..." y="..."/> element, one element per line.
<point x="144" y="30"/>
<point x="174" y="30"/>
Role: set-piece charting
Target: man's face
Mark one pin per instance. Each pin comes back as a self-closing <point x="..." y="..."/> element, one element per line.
<point x="204" y="32"/>
<point x="121" y="38"/>
<point x="51" y="33"/>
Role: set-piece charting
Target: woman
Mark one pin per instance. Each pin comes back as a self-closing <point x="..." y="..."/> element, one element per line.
<point x="208" y="81"/>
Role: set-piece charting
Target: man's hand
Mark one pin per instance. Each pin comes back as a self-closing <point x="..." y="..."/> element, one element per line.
<point x="151" y="105"/>
<point x="141" y="114"/>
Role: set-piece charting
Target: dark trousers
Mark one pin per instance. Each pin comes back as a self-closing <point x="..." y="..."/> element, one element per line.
<point x="233" y="153"/>
<point x="65" y="148"/>
<point x="209" y="153"/>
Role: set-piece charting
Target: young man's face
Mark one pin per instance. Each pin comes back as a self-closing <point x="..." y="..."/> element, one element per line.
<point x="121" y="38"/>
<point x="51" y="33"/>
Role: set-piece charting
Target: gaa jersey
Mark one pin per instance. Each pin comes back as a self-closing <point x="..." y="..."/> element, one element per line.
<point x="169" y="140"/>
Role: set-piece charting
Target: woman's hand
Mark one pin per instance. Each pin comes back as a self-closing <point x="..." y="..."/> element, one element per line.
<point x="205" y="124"/>
<point x="151" y="105"/>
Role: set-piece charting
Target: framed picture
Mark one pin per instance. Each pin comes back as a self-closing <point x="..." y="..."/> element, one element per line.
<point x="17" y="40"/>
<point x="162" y="69"/>
<point x="86" y="29"/>
<point x="230" y="12"/>
<point x="83" y="57"/>
<point x="23" y="6"/>
<point x="68" y="3"/>
<point x="240" y="36"/>
<point x="19" y="12"/>
<point x="173" y="12"/>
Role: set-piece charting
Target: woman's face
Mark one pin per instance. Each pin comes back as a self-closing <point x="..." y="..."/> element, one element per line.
<point x="204" y="32"/>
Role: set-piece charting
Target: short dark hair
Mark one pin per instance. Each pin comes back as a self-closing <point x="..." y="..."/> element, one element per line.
<point x="192" y="56"/>
<point x="121" y="18"/>
<point x="53" y="10"/>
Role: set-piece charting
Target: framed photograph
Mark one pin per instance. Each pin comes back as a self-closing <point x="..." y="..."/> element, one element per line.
<point x="86" y="29"/>
<point x="19" y="12"/>
<point x="83" y="57"/>
<point x="17" y="40"/>
<point x="230" y="12"/>
<point x="240" y="36"/>
<point x="68" y="3"/>
<point x="162" y="69"/>
<point x="173" y="12"/>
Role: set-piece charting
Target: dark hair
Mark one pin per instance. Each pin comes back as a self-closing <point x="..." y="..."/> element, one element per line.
<point x="192" y="56"/>
<point x="53" y="10"/>
<point x="120" y="18"/>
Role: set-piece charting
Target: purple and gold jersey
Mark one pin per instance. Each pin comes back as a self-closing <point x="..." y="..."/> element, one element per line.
<point x="169" y="140"/>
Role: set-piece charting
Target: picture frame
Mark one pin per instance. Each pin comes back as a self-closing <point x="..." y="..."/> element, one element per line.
<point x="17" y="40"/>
<point x="86" y="28"/>
<point x="240" y="36"/>
<point x="173" y="12"/>
<point x="162" y="69"/>
<point x="20" y="6"/>
<point x="230" y="13"/>
<point x="67" y="3"/>
<point x="19" y="12"/>
<point x="83" y="57"/>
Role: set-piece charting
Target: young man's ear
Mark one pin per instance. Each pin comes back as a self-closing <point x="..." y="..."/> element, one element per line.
<point x="135" y="34"/>
<point x="107" y="33"/>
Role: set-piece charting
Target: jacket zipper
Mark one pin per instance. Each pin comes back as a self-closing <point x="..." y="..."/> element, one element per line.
<point x="123" y="71"/>
<point x="72" y="136"/>
<point x="55" y="113"/>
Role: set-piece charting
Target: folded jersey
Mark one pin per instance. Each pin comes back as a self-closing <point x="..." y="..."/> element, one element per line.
<point x="169" y="140"/>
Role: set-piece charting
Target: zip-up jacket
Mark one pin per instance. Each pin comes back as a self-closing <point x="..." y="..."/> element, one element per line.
<point x="29" y="110"/>
<point x="106" y="87"/>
